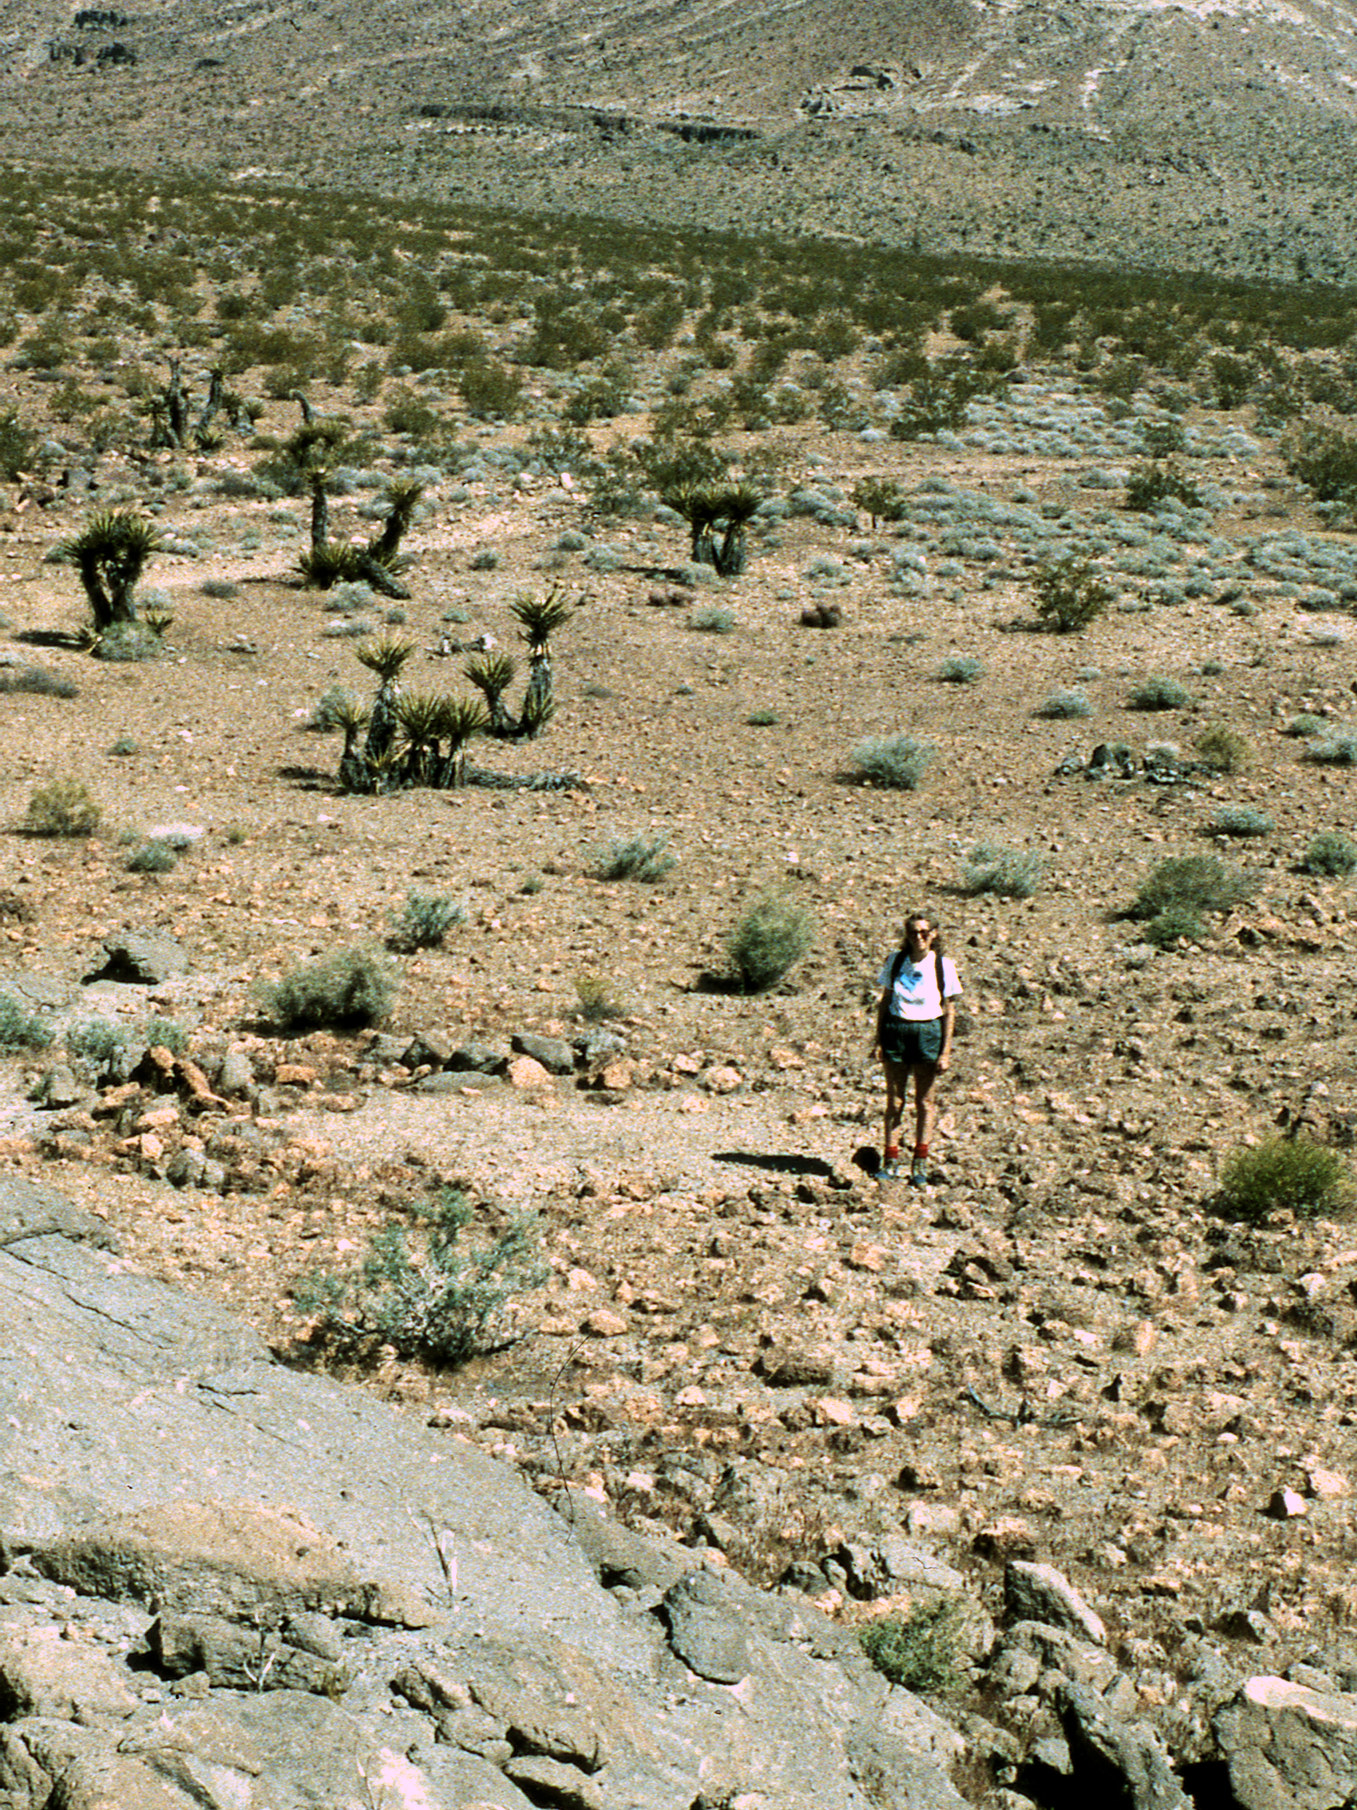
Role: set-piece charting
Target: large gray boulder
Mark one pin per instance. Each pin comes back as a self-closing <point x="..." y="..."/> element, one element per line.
<point x="1289" y="1748"/>
<point x="231" y="1586"/>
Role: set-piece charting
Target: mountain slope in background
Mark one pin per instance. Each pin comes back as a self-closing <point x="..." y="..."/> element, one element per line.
<point x="1216" y="135"/>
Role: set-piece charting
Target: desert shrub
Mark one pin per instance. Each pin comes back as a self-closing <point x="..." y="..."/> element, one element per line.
<point x="596" y="1001"/>
<point x="21" y="1029"/>
<point x="1069" y="593"/>
<point x="423" y="921"/>
<point x="18" y="446"/>
<point x="880" y="498"/>
<point x="1149" y="485"/>
<point x="1239" y="820"/>
<point x="62" y="807"/>
<point x="1173" y="925"/>
<point x="1064" y="704"/>
<point x="1331" y="853"/>
<point x="349" y="987"/>
<point x="440" y="1298"/>
<point x="1333" y="751"/>
<point x="221" y="588"/>
<point x="124" y="745"/>
<point x="769" y="939"/>
<point x="1306" y="724"/>
<point x="1195" y="882"/>
<point x="490" y="390"/>
<point x="1159" y="693"/>
<point x="37" y="680"/>
<point x="1280" y="1175"/>
<point x="1008" y="873"/>
<point x="715" y="619"/>
<point x="633" y="858"/>
<point x="99" y="1046"/>
<point x="1223" y="749"/>
<point x="761" y="719"/>
<point x="960" y="669"/>
<point x="894" y="762"/>
<point x="920" y="1651"/>
<point x="153" y="857"/>
<point x="1322" y="453"/>
<point x="126" y="643"/>
<point x="333" y="709"/>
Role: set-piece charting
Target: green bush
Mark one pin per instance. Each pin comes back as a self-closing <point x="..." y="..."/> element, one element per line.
<point x="894" y="762"/>
<point x="127" y="643"/>
<point x="714" y="620"/>
<point x="1280" y="1175"/>
<point x="1149" y="485"/>
<point x="1064" y="704"/>
<point x="1332" y="854"/>
<point x="1322" y="453"/>
<point x="1333" y="751"/>
<point x="960" y="669"/>
<point x="769" y="939"/>
<point x="880" y="498"/>
<point x="633" y="858"/>
<point x="350" y="987"/>
<point x="1239" y="820"/>
<point x="1195" y="883"/>
<point x="920" y="1651"/>
<point x="1223" y="749"/>
<point x="439" y="1298"/>
<point x="35" y="680"/>
<point x="1069" y="593"/>
<point x="1159" y="693"/>
<point x="1305" y="725"/>
<point x="490" y="390"/>
<point x="595" y="995"/>
<point x="423" y="921"/>
<point x="1173" y="925"/>
<point x="153" y="857"/>
<point x="63" y="807"/>
<point x="1007" y="873"/>
<point x="21" y="1029"/>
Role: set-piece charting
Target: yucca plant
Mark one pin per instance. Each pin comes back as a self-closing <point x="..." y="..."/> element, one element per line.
<point x="419" y="718"/>
<point x="386" y="656"/>
<point x="717" y="517"/>
<point x="539" y="618"/>
<point x="492" y="675"/>
<point x="327" y="563"/>
<point x="402" y="494"/>
<point x="346" y="713"/>
<point x="458" y="720"/>
<point x="110" y="553"/>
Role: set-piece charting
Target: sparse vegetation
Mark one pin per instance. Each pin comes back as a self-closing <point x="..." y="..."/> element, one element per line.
<point x="1064" y="705"/>
<point x="770" y="938"/>
<point x="1197" y="883"/>
<point x="920" y="1651"/>
<point x="423" y="922"/>
<point x="1223" y="749"/>
<point x="1331" y="854"/>
<point x="595" y="995"/>
<point x="641" y="857"/>
<point x="1007" y="873"/>
<point x="345" y="990"/>
<point x="1159" y="693"/>
<point x="896" y="762"/>
<point x="153" y="857"/>
<point x="428" y="1292"/>
<point x="1282" y="1175"/>
<point x="1069" y="594"/>
<point x="21" y="1029"/>
<point x="1333" y="750"/>
<point x="62" y="807"/>
<point x="960" y="669"/>
<point x="1239" y="820"/>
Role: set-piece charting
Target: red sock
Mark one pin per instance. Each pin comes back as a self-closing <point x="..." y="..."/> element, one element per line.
<point x="921" y="1150"/>
<point x="892" y="1150"/>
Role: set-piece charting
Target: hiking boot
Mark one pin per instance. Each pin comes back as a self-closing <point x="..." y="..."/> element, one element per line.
<point x="918" y="1174"/>
<point x="890" y="1170"/>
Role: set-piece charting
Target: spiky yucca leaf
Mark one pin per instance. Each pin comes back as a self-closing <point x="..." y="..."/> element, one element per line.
<point x="332" y="562"/>
<point x="538" y="709"/>
<point x="118" y="536"/>
<point x="540" y="617"/>
<point x="386" y="656"/>
<point x="458" y="720"/>
<point x="420" y="714"/>
<point x="735" y="504"/>
<point x="492" y="674"/>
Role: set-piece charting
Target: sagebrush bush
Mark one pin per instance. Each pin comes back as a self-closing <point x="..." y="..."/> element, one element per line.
<point x="1175" y="924"/>
<point x="1007" y="873"/>
<point x="896" y="762"/>
<point x="1159" y="693"/>
<point x="714" y="620"/>
<point x="1332" y="854"/>
<point x="1333" y="751"/>
<point x="1223" y="749"/>
<point x="920" y="1651"/>
<point x="960" y="669"/>
<point x="1150" y="485"/>
<point x="153" y="857"/>
<point x="596" y="1000"/>
<point x="348" y="988"/>
<point x="1281" y="1175"/>
<point x="1239" y="820"/>
<point x="21" y="1029"/>
<point x="769" y="939"/>
<point x="63" y="807"/>
<point x="36" y="680"/>
<point x="1064" y="704"/>
<point x="423" y="922"/>
<point x="437" y="1298"/>
<point x="1305" y="725"/>
<point x="1195" y="882"/>
<point x="633" y="858"/>
<point x="1069" y="594"/>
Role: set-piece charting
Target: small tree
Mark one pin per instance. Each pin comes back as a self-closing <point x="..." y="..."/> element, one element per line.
<point x="539" y="617"/>
<point x="717" y="518"/>
<point x="880" y="498"/>
<point x="110" y="553"/>
<point x="1069" y="594"/>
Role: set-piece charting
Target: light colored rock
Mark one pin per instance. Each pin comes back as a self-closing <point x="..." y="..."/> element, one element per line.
<point x="1041" y="1593"/>
<point x="528" y="1075"/>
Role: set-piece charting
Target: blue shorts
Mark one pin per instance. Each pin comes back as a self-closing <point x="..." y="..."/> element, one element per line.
<point x="912" y="1043"/>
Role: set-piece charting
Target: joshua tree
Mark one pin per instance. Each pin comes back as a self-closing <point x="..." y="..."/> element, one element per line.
<point x="717" y="517"/>
<point x="110" y="553"/>
<point x="386" y="656"/>
<point x="459" y="719"/>
<point x="492" y="675"/>
<point x="540" y="617"/>
<point x="352" y="717"/>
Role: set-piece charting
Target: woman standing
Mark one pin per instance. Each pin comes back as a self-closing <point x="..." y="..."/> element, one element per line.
<point x="914" y="1024"/>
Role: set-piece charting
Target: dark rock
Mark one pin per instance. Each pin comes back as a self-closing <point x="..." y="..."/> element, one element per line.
<point x="555" y="1055"/>
<point x="236" y="1074"/>
<point x="702" y="1631"/>
<point x="1115" y="1761"/>
<point x="478" y="1058"/>
<point x="239" y="1658"/>
<point x="620" y="1556"/>
<point x="146" y="957"/>
<point x="27" y="1211"/>
<point x="430" y="1049"/>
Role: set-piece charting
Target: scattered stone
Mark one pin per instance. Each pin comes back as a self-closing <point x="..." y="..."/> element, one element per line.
<point x="145" y="957"/>
<point x="1041" y="1593"/>
<point x="553" y="1053"/>
<point x="702" y="1630"/>
<point x="1289" y="1748"/>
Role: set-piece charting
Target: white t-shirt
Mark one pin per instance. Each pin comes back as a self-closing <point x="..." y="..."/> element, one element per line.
<point x="915" y="995"/>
